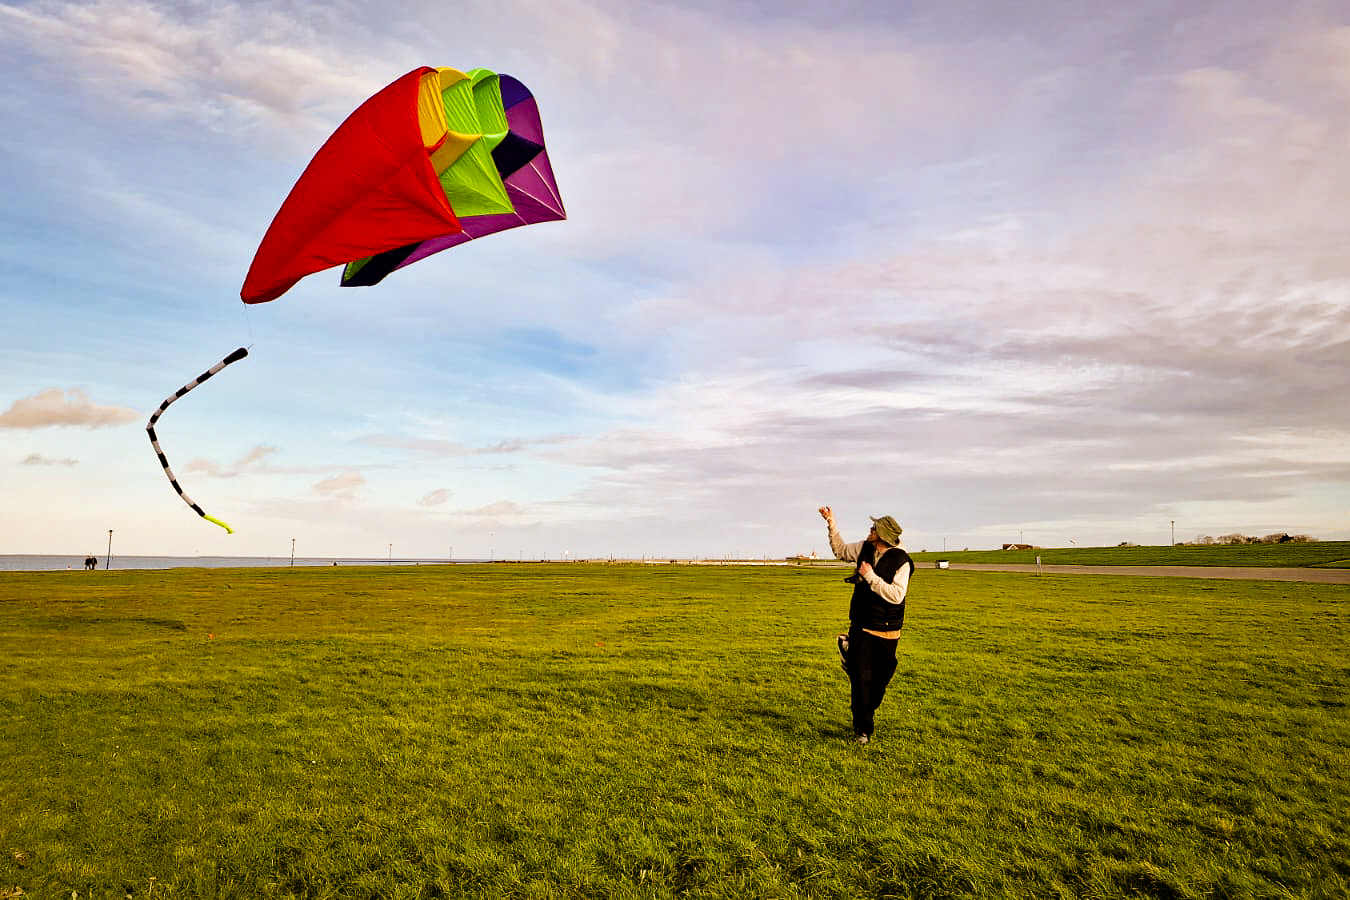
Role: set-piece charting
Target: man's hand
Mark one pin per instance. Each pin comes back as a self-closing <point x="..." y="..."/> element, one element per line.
<point x="864" y="569"/>
<point x="827" y="514"/>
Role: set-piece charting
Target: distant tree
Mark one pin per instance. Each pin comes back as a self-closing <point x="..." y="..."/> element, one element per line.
<point x="1234" y="538"/>
<point x="1205" y="540"/>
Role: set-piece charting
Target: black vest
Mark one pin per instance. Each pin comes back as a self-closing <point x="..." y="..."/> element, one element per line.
<point x="867" y="609"/>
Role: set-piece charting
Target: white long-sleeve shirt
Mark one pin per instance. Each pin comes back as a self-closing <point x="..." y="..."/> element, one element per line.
<point x="890" y="591"/>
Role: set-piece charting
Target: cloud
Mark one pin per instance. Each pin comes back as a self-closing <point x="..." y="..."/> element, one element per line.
<point x="36" y="459"/>
<point x="253" y="462"/>
<point x="55" y="406"/>
<point x="342" y="486"/>
<point x="440" y="448"/>
<point x="225" y="68"/>
<point x="436" y="498"/>
<point x="502" y="509"/>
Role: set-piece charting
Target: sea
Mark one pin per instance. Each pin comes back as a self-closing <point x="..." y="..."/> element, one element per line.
<point x="22" y="563"/>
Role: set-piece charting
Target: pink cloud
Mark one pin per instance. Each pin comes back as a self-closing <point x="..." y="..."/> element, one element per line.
<point x="54" y="406"/>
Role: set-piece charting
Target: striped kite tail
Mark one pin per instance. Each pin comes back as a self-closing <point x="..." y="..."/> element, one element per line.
<point x="154" y="441"/>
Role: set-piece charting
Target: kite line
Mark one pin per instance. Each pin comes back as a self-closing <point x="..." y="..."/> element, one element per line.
<point x="154" y="441"/>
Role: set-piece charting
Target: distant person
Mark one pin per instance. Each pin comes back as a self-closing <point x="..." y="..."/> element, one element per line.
<point x="90" y="563"/>
<point x="876" y="613"/>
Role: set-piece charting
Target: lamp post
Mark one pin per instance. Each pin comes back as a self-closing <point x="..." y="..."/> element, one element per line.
<point x="108" y="565"/>
<point x="292" y="551"/>
<point x="1174" y="532"/>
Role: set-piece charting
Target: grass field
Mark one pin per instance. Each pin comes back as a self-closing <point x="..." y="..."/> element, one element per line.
<point x="672" y="731"/>
<point x="1325" y="554"/>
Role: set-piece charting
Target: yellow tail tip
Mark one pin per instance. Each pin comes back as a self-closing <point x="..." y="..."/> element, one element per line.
<point x="213" y="520"/>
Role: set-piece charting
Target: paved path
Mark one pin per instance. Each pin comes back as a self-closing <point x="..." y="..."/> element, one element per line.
<point x="1321" y="576"/>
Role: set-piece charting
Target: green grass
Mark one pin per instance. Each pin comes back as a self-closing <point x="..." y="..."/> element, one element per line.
<point x="629" y="731"/>
<point x="1325" y="554"/>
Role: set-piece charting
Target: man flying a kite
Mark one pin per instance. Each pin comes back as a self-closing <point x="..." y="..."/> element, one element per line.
<point x="876" y="614"/>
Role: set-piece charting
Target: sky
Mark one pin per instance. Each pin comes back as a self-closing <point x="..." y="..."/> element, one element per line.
<point x="1040" y="272"/>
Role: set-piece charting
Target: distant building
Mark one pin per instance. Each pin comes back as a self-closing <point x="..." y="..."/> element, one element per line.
<point x="1019" y="546"/>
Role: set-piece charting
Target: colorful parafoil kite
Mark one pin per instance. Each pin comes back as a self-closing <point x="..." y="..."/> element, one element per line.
<point x="435" y="159"/>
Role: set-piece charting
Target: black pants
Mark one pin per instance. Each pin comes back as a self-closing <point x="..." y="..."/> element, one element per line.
<point x="871" y="664"/>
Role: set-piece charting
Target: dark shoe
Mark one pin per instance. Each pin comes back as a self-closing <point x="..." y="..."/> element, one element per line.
<point x="841" y="641"/>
